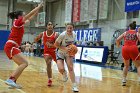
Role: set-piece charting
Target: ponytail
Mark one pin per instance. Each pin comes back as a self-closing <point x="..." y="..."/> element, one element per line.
<point x="15" y="14"/>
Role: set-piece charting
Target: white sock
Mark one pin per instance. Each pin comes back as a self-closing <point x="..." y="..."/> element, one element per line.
<point x="50" y="78"/>
<point x="124" y="79"/>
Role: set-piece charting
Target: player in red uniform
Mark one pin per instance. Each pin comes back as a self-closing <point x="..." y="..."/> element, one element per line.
<point x="129" y="50"/>
<point x="49" y="37"/>
<point x="11" y="47"/>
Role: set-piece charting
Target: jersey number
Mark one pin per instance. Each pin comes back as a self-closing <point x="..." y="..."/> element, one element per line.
<point x="131" y="37"/>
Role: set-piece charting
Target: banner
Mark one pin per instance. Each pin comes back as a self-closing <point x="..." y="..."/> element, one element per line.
<point x="92" y="10"/>
<point x="93" y="34"/>
<point x="68" y="11"/>
<point x="132" y="5"/>
<point x="76" y="10"/>
<point x="103" y="9"/>
<point x="84" y="13"/>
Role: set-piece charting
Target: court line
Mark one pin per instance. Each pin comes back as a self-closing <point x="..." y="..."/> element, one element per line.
<point x="115" y="77"/>
<point x="21" y="91"/>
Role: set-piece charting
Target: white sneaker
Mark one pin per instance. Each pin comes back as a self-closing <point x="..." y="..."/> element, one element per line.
<point x="65" y="77"/>
<point x="31" y="54"/>
<point x="12" y="84"/>
<point x="123" y="82"/>
<point x="75" y="88"/>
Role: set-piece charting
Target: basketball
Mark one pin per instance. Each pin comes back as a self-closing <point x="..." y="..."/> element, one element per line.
<point x="73" y="50"/>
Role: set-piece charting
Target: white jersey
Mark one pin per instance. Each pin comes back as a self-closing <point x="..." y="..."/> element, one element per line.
<point x="64" y="39"/>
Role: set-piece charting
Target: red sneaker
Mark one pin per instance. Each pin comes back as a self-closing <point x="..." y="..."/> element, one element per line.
<point x="49" y="82"/>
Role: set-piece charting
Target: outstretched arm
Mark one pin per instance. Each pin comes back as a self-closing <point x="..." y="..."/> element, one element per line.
<point x="27" y="21"/>
<point x="32" y="13"/>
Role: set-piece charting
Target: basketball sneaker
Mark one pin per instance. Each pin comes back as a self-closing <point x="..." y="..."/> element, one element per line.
<point x="65" y="77"/>
<point x="11" y="83"/>
<point x="75" y="88"/>
<point x="49" y="82"/>
<point x="123" y="82"/>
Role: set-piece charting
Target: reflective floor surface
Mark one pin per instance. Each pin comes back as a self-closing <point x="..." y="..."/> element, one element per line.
<point x="90" y="79"/>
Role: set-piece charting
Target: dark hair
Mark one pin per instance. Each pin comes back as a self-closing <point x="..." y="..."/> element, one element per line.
<point x="133" y="25"/>
<point x="70" y="24"/>
<point x="15" y="14"/>
<point x="134" y="22"/>
<point x="51" y="23"/>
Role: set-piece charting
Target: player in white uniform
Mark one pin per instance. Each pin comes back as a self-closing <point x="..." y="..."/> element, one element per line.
<point x="66" y="38"/>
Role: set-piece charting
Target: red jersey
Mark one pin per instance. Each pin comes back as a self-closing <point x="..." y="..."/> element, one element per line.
<point x="48" y="39"/>
<point x="17" y="30"/>
<point x="130" y="38"/>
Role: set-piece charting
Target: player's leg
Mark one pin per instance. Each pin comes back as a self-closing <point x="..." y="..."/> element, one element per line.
<point x="137" y="64"/>
<point x="60" y="65"/>
<point x="69" y="61"/>
<point x="48" y="60"/>
<point x="125" y="71"/>
<point x="22" y="63"/>
<point x="135" y="55"/>
<point x="126" y="60"/>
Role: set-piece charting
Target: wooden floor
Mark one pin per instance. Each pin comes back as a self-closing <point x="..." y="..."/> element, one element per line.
<point x="91" y="79"/>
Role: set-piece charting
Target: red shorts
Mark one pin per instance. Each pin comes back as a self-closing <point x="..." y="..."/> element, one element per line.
<point x="50" y="53"/>
<point x="130" y="52"/>
<point x="11" y="49"/>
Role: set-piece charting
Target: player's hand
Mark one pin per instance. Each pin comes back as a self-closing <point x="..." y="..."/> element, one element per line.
<point x="66" y="49"/>
<point x="41" y="4"/>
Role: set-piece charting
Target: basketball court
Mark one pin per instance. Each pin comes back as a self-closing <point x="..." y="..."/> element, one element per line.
<point x="90" y="79"/>
<point x="96" y="33"/>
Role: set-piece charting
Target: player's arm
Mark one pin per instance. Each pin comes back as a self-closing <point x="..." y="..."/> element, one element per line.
<point x="29" y="19"/>
<point x="119" y="39"/>
<point x="38" y="37"/>
<point x="33" y="12"/>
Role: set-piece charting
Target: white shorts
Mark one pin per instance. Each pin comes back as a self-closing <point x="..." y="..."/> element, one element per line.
<point x="61" y="55"/>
